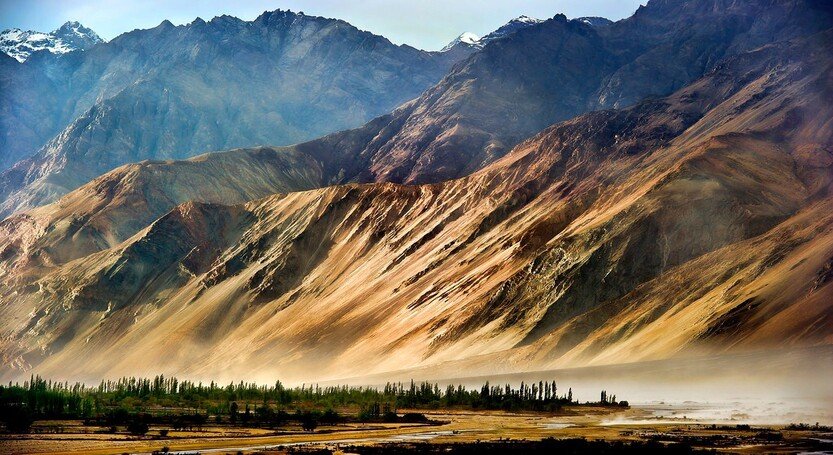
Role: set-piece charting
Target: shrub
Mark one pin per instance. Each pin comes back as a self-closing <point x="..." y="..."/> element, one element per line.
<point x="414" y="417"/>
<point x="330" y="417"/>
<point x="309" y="422"/>
<point x="138" y="428"/>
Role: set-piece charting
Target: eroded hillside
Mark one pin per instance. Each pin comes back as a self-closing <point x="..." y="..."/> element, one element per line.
<point x="696" y="221"/>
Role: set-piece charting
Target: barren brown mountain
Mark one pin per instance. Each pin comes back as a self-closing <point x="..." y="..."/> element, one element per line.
<point x="698" y="221"/>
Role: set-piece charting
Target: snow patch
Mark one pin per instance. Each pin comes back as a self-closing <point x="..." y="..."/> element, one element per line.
<point x="472" y="40"/>
<point x="467" y="38"/>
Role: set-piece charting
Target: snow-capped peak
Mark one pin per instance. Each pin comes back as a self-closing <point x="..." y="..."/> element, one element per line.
<point x="526" y="20"/>
<point x="472" y="40"/>
<point x="467" y="38"/>
<point x="510" y="27"/>
<point x="71" y="36"/>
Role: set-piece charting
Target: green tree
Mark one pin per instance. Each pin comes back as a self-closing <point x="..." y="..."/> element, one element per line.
<point x="309" y="422"/>
<point x="138" y="427"/>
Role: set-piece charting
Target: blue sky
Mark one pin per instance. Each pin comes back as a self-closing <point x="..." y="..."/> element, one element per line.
<point x="427" y="24"/>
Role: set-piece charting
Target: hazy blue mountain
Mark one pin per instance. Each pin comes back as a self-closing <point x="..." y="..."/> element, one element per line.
<point x="176" y="91"/>
<point x="195" y="97"/>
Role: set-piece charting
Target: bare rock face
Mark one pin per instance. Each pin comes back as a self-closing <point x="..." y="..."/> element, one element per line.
<point x="173" y="92"/>
<point x="699" y="220"/>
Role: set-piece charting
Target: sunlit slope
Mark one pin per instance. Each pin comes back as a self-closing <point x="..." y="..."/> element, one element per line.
<point x="700" y="221"/>
<point x="117" y="205"/>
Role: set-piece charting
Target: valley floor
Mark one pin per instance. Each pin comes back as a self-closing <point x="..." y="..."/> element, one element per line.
<point x="638" y="424"/>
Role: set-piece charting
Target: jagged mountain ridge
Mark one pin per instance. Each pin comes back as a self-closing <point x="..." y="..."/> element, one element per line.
<point x="28" y="98"/>
<point x="553" y="71"/>
<point x="45" y="187"/>
<point x="505" y="264"/>
<point x="177" y="91"/>
<point x="471" y="41"/>
<point x="486" y="105"/>
<point x="71" y="36"/>
<point x="595" y="21"/>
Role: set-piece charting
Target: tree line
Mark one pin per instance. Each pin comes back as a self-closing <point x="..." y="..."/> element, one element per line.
<point x="173" y="402"/>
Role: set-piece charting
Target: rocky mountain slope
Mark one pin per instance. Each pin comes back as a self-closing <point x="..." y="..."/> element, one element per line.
<point x="113" y="207"/>
<point x="177" y="91"/>
<point x="25" y="122"/>
<point x="71" y="36"/>
<point x="553" y="71"/>
<point x="514" y="87"/>
<point x="697" y="221"/>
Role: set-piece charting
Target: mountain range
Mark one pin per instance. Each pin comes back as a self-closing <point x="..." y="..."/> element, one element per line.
<point x="178" y="91"/>
<point x="574" y="193"/>
<point x="72" y="36"/>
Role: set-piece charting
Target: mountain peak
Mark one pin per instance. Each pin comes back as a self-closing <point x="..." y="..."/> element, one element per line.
<point x="471" y="40"/>
<point x="465" y="38"/>
<point x="68" y="37"/>
<point x="77" y="36"/>
<point x="278" y="14"/>
<point x="69" y="25"/>
<point x="511" y="27"/>
<point x="526" y="20"/>
<point x="594" y="21"/>
<point x="468" y="37"/>
<point x="225" y="21"/>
